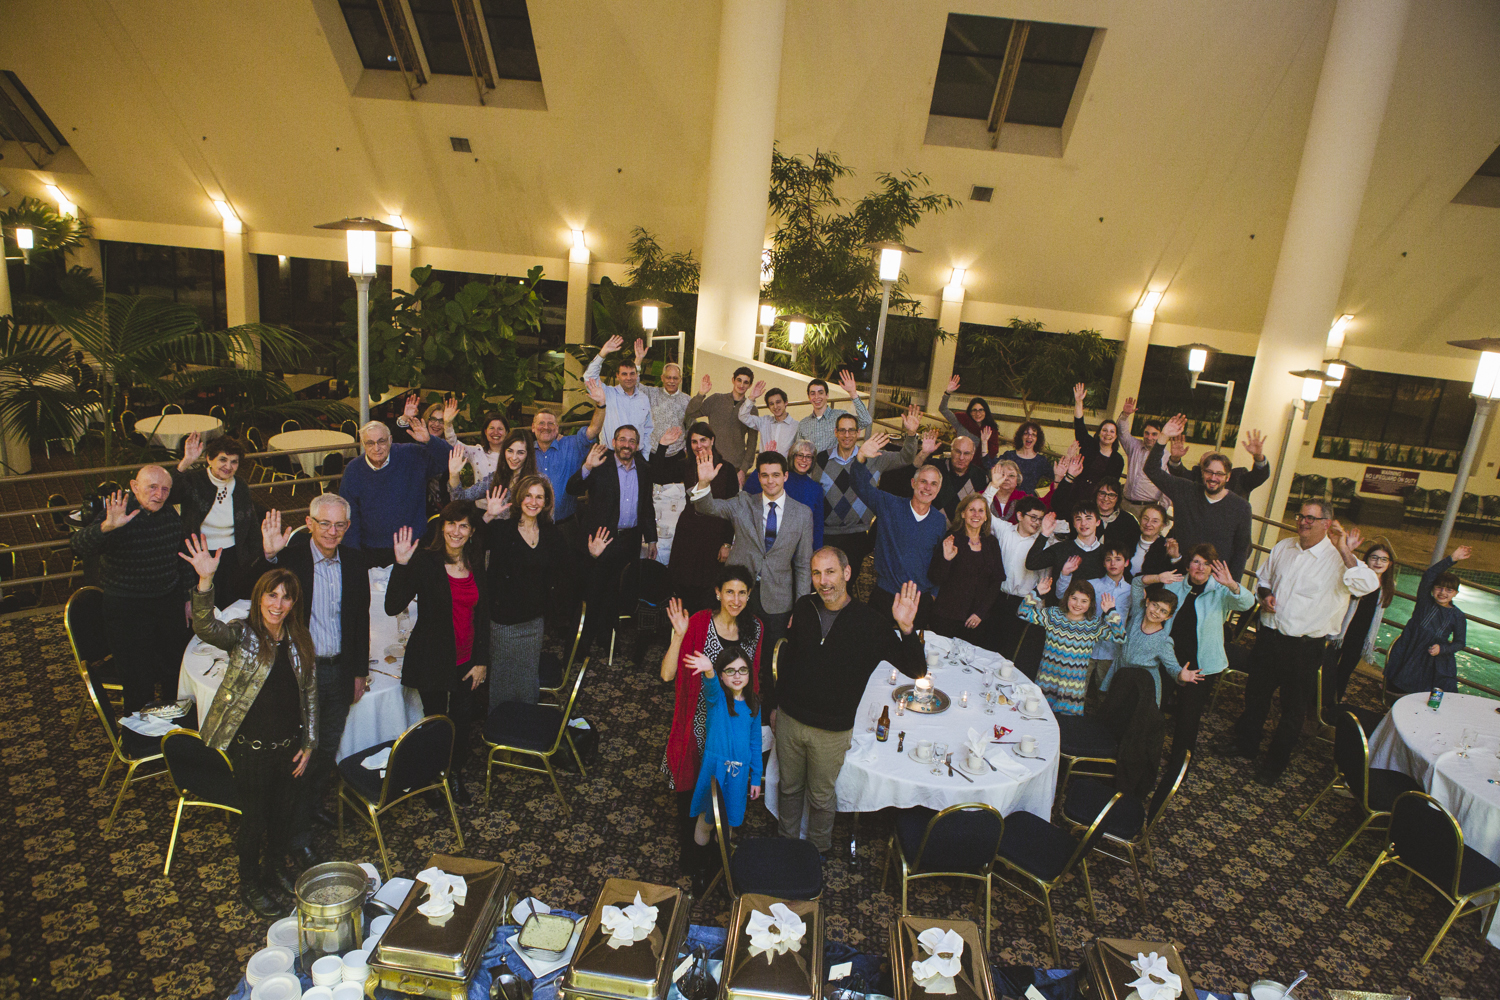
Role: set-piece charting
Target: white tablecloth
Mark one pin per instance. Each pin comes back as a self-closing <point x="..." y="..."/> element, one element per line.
<point x="169" y="430"/>
<point x="384" y="713"/>
<point x="895" y="779"/>
<point x="1424" y="744"/>
<point x="295" y="440"/>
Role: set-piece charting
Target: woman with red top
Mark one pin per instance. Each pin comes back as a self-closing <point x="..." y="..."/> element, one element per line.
<point x="448" y="654"/>
<point x="1005" y="478"/>
<point x="708" y="632"/>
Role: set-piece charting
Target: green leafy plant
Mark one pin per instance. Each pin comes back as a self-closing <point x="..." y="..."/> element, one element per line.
<point x="48" y="283"/>
<point x="654" y="273"/>
<point x="1034" y="365"/>
<point x="461" y="341"/>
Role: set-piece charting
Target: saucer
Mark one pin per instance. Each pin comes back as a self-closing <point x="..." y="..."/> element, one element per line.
<point x="963" y="765"/>
<point x="912" y="753"/>
<point x="1029" y="756"/>
<point x="1039" y="717"/>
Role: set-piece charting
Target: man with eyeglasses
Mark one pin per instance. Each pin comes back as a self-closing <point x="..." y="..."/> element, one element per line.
<point x="1206" y="511"/>
<point x="335" y="604"/>
<point x="386" y="487"/>
<point x="1304" y="590"/>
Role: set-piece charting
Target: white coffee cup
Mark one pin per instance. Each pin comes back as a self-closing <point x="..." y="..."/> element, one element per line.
<point x="924" y="749"/>
<point x="1028" y="745"/>
<point x="976" y="761"/>
<point x="1033" y="705"/>
<point x="1007" y="672"/>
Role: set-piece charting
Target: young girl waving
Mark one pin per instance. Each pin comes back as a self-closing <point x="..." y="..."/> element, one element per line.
<point x="1072" y="632"/>
<point x="731" y="749"/>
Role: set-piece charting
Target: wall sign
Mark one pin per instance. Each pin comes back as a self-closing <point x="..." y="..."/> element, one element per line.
<point x="1390" y="482"/>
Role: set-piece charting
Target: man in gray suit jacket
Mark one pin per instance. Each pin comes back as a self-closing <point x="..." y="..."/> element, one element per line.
<point x="773" y="537"/>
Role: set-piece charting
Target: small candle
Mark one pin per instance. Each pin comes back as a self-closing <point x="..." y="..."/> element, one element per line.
<point x="924" y="684"/>
<point x="963" y="700"/>
<point x="891" y="680"/>
<point x="901" y="706"/>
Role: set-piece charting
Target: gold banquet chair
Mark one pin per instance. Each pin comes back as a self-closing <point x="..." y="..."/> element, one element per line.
<point x="553" y="672"/>
<point x="961" y="841"/>
<point x="83" y="620"/>
<point x="518" y="729"/>
<point x="418" y="763"/>
<point x="202" y="776"/>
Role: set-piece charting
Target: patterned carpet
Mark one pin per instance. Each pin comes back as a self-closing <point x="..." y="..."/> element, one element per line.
<point x="1241" y="886"/>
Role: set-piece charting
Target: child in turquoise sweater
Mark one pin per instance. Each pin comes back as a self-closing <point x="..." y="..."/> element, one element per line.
<point x="731" y="746"/>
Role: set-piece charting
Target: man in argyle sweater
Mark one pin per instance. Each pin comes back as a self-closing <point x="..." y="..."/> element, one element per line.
<point x="846" y="518"/>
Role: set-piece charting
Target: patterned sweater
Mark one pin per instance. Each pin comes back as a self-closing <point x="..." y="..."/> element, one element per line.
<point x="1068" y="652"/>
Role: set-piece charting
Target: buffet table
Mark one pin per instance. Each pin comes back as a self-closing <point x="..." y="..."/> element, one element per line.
<point x="385" y="712"/>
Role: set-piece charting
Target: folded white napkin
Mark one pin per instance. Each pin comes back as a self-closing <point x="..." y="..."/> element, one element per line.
<point x="148" y="725"/>
<point x="776" y="932"/>
<point x="634" y="923"/>
<point x="862" y="749"/>
<point x="1156" y="980"/>
<point x="377" y="761"/>
<point x="443" y="891"/>
<point x="976" y="743"/>
<point x="1007" y="766"/>
<point x="1024" y="690"/>
<point x="944" y="948"/>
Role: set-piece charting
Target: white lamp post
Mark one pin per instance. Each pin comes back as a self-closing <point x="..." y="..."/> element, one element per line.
<point x="651" y="319"/>
<point x="1197" y="361"/>
<point x="890" y="253"/>
<point x="1486" y="390"/>
<point x="796" y="330"/>
<point x="360" y="232"/>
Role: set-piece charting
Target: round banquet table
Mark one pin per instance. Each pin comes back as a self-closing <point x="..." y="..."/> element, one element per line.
<point x="296" y="440"/>
<point x="875" y="775"/>
<point x="1426" y="745"/>
<point x="384" y="713"/>
<point x="168" y="430"/>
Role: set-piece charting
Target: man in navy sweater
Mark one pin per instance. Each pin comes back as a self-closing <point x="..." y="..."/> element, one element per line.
<point x="906" y="531"/>
<point x="387" y="486"/>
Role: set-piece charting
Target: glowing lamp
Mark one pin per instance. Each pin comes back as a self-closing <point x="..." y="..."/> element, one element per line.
<point x="25" y="238"/>
<point x="1487" y="376"/>
<point x="767" y="314"/>
<point x="402" y="237"/>
<point x="650" y="312"/>
<point x="232" y="222"/>
<point x="796" y="327"/>
<point x="1145" y="310"/>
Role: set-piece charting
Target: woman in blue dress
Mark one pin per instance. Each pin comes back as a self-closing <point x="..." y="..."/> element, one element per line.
<point x="731" y="747"/>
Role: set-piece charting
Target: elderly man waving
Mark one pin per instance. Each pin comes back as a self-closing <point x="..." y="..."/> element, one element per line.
<point x="387" y="486"/>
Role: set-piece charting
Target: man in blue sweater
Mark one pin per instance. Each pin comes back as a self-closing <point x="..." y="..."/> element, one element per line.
<point x="906" y="531"/>
<point x="387" y="486"/>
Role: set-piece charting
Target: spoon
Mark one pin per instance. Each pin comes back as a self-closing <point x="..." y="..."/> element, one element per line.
<point x="1301" y="975"/>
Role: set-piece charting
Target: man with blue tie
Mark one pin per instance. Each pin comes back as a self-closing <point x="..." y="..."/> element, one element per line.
<point x="772" y="537"/>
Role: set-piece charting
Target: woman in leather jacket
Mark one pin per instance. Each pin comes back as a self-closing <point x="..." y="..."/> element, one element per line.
<point x="264" y="715"/>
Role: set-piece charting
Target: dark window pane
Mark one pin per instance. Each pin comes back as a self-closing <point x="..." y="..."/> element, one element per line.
<point x="308" y="296"/>
<point x="970" y="33"/>
<point x="1048" y="74"/>
<point x="437" y="26"/>
<point x="1057" y="43"/>
<point x="370" y="37"/>
<point x="965" y="86"/>
<point x="509" y="26"/>
<point x="1404" y="411"/>
<point x="187" y="275"/>
<point x="1165" y="389"/>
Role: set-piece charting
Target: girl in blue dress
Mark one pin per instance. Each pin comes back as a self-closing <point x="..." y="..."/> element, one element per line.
<point x="731" y="747"/>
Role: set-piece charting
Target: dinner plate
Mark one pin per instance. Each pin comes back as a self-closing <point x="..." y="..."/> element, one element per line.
<point x="283" y="934"/>
<point x="282" y="986"/>
<point x="963" y="765"/>
<point x="268" y="962"/>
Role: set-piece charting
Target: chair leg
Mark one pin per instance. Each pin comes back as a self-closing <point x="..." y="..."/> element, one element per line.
<point x="1326" y="789"/>
<point x="109" y="766"/>
<point x="385" y="858"/>
<point x="489" y="771"/>
<point x="120" y="799"/>
<point x="448" y="794"/>
<point x="1368" y="875"/>
<point x="576" y="758"/>
<point x="341" y="811"/>
<point x="987" y="928"/>
<point x="1088" y="889"/>
<point x="1353" y="837"/>
<point x="1147" y="853"/>
<point x="1443" y="930"/>
<point x="1051" y="925"/>
<point x="885" y="871"/>
<point x="567" y="810"/>
<point x="172" y="841"/>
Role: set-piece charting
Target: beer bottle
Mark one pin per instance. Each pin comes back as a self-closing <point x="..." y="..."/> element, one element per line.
<point x="883" y="727"/>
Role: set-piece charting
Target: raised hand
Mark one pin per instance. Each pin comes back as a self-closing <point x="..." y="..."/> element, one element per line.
<point x="847" y="383"/>
<point x="1044" y="585"/>
<point x="1222" y="574"/>
<point x="874" y="445"/>
<point x="416" y="426"/>
<point x="705" y="385"/>
<point x="206" y="563"/>
<point x="911" y="420"/>
<point x="678" y="616"/>
<point x="1174" y="549"/>
<point x="1255" y="444"/>
<point x="1177" y="447"/>
<point x="595" y="390"/>
<point x="1106" y="603"/>
<point x="758" y="388"/>
<point x="698" y="663"/>
<point x="192" y="449"/>
<point x="1461" y="553"/>
<point x="1071" y="565"/>
<point x="986" y="435"/>
<point x="904" y="607"/>
<point x="1049" y="522"/>
<point x="953" y="384"/>
<point x="1080" y="391"/>
<point x="412" y="403"/>
<point x="1175" y="426"/>
<point x="725" y="549"/>
<point x="1127" y="407"/>
<point x="598" y="542"/>
<point x="450" y="409"/>
<point x="495" y="501"/>
<point x="114" y="511"/>
<point x="272" y="538"/>
<point x="640" y="351"/>
<point x="1336" y="534"/>
<point x="672" y="434"/>
<point x="997" y="475"/>
<point x="929" y="444"/>
<point x="1075" y="464"/>
<point x="1060" y="468"/>
<point x="1170" y="576"/>
<point x="1352" y="537"/>
<point x="708" y="469"/>
<point x="596" y="456"/>
<point x="457" y="459"/>
<point x="950" y="548"/>
<point x="1189" y="674"/>
<point x="404" y="544"/>
<point x="612" y="345"/>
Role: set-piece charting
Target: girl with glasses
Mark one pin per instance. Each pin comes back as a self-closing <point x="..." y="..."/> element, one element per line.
<point x="731" y="753"/>
<point x="1356" y="640"/>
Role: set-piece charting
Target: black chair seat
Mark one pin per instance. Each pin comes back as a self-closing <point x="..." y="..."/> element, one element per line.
<point x="963" y="842"/>
<point x="1035" y="845"/>
<point x="1087" y="798"/>
<point x="530" y="727"/>
<point x="1386" y="784"/>
<point x="550" y="671"/>
<point x="775" y="866"/>
<point x="137" y="747"/>
<point x="1083" y="737"/>
<point x="360" y="778"/>
<point x="1479" y="872"/>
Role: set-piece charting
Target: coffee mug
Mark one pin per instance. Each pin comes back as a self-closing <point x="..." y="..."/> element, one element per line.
<point x="976" y="761"/>
<point x="1007" y="672"/>
<point x="924" y="749"/>
<point x="1028" y="745"/>
<point x="1033" y="705"/>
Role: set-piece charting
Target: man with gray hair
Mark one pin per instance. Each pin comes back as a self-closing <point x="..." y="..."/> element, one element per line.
<point x="335" y="604"/>
<point x="387" y="486"/>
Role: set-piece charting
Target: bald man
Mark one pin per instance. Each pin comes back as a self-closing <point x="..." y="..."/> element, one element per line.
<point x="135" y="542"/>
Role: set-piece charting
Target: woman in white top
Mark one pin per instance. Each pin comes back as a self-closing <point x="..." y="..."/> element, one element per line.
<point x="485" y="455"/>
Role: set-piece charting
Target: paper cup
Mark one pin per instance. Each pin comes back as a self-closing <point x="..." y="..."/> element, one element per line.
<point x="924" y="749"/>
<point x="328" y="971"/>
<point x="1007" y="672"/>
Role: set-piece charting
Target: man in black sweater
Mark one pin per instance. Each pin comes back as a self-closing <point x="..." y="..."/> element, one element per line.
<point x="136" y="541"/>
<point x="1205" y="511"/>
<point x="835" y="644"/>
<point x="1084" y="542"/>
<point x="1241" y="481"/>
<point x="962" y="475"/>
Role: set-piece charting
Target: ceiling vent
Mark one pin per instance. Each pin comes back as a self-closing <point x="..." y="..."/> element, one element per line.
<point x="460" y="144"/>
<point x="981" y="193"/>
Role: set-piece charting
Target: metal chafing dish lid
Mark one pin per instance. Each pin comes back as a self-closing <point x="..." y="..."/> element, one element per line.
<point x="791" y="975"/>
<point x="973" y="981"/>
<point x="639" y="970"/>
<point x="452" y="947"/>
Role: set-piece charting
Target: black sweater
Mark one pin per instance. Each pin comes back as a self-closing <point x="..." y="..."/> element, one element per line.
<point x="1051" y="558"/>
<point x="139" y="559"/>
<point x="822" y="681"/>
<point x="1225" y="523"/>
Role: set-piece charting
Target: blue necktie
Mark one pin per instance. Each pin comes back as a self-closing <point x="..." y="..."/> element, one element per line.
<point x="771" y="526"/>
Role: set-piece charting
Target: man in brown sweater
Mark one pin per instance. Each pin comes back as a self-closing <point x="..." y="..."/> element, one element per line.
<point x="735" y="441"/>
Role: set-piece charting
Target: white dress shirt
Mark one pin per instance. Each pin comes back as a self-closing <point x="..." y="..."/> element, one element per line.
<point x="621" y="408"/>
<point x="775" y="435"/>
<point x="1312" y="587"/>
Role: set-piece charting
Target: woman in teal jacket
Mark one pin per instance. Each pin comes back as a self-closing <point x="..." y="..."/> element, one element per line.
<point x="1205" y="597"/>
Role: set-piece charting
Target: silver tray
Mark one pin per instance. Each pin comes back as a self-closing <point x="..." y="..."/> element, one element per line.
<point x="940" y="700"/>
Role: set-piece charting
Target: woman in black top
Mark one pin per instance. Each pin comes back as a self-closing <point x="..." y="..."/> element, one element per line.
<point x="968" y="569"/>
<point x="1102" y="457"/>
<point x="527" y="555"/>
<point x="264" y="715"/>
<point x="1116" y="525"/>
<point x="700" y="542"/>
<point x="1356" y="639"/>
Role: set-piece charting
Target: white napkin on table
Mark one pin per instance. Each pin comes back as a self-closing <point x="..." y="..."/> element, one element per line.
<point x="944" y="948"/>
<point x="1156" y="980"/>
<point x="1008" y="767"/>
<point x="976" y="743"/>
<point x="862" y="749"/>
<point x="776" y="932"/>
<point x="634" y="923"/>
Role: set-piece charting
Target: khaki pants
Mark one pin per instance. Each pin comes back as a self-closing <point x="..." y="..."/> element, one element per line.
<point x="809" y="760"/>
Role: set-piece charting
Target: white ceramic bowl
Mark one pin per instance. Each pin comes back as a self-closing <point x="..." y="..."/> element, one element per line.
<point x="377" y="928"/>
<point x="317" y="993"/>
<point x="328" y="971"/>
<point x="349" y="991"/>
<point x="283" y="934"/>
<point x="356" y="966"/>
<point x="282" y="986"/>
<point x="266" y="963"/>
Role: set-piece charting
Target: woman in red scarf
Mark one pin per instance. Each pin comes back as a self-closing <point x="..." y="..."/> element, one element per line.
<point x="708" y="632"/>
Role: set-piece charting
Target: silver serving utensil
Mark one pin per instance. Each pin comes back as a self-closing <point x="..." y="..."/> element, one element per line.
<point x="1301" y="975"/>
<point x="992" y="766"/>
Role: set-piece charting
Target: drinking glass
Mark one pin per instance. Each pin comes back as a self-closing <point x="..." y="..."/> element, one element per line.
<point x="873" y="713"/>
<point x="989" y="702"/>
<point x="939" y="751"/>
<point x="403" y="628"/>
<point x="1466" y="741"/>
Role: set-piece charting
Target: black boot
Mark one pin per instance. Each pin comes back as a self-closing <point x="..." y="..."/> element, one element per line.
<point x="460" y="791"/>
<point x="254" y="895"/>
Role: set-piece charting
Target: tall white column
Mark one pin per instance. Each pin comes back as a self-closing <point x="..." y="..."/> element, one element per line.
<point x="1358" y="66"/>
<point x="575" y="325"/>
<point x="241" y="290"/>
<point x="950" y="316"/>
<point x="401" y="265"/>
<point x="739" y="172"/>
<point x="1130" y="365"/>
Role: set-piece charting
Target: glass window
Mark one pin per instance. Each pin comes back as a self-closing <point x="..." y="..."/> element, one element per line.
<point x="1049" y="71"/>
<point x="186" y="275"/>
<point x="509" y="26"/>
<point x="1403" y="410"/>
<point x="973" y="59"/>
<point x="437" y="26"/>
<point x="308" y="296"/>
<point x="1166" y="389"/>
<point x="370" y="37"/>
<point x="969" y="69"/>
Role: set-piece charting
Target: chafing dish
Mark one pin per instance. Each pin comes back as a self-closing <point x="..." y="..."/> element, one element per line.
<point x="1107" y="972"/>
<point x="438" y="958"/>
<point x="791" y="975"/>
<point x="641" y="971"/>
<point x="973" y="981"/>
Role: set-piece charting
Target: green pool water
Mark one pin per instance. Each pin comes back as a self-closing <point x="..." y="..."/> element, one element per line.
<point x="1482" y="637"/>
